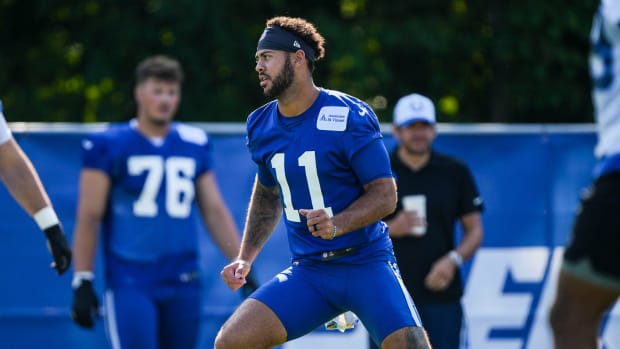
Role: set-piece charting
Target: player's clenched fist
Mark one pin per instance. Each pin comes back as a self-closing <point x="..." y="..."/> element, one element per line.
<point x="234" y="274"/>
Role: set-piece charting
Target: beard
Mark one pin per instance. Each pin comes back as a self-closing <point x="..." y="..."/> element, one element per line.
<point x="415" y="151"/>
<point x="283" y="81"/>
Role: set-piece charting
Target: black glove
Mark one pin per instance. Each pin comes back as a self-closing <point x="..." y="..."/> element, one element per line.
<point x="250" y="286"/>
<point x="59" y="248"/>
<point x="85" y="305"/>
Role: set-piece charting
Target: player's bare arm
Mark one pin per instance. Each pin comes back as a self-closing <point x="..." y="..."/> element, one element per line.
<point x="93" y="196"/>
<point x="378" y="200"/>
<point x="24" y="184"/>
<point x="21" y="179"/>
<point x="263" y="216"/>
<point x="217" y="216"/>
<point x="94" y="187"/>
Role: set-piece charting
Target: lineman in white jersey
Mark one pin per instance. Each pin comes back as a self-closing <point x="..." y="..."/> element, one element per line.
<point x="24" y="184"/>
<point x="589" y="281"/>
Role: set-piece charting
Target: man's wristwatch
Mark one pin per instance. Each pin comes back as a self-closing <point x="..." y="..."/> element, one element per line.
<point x="456" y="258"/>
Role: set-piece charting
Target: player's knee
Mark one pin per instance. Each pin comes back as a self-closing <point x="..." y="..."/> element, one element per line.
<point x="229" y="339"/>
<point x="556" y="320"/>
<point x="223" y="340"/>
<point x="408" y="337"/>
<point x="561" y="318"/>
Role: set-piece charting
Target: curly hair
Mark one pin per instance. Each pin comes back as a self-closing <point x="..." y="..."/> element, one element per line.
<point x="305" y="30"/>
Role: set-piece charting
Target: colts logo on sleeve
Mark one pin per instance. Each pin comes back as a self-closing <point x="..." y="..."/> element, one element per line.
<point x="332" y="119"/>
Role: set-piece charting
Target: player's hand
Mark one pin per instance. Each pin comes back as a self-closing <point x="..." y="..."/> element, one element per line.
<point x="234" y="274"/>
<point x="85" y="305"/>
<point x="250" y="285"/>
<point x="319" y="223"/>
<point x="59" y="248"/>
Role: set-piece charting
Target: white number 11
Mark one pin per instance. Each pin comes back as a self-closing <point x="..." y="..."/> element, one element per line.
<point x="308" y="161"/>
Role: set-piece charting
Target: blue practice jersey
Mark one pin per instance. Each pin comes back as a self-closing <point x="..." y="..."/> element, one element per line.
<point x="151" y="210"/>
<point x="315" y="159"/>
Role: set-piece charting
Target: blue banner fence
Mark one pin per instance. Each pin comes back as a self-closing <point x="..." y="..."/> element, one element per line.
<point x="529" y="175"/>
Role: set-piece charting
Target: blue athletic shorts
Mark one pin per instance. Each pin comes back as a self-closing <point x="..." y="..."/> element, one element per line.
<point x="153" y="305"/>
<point x="308" y="294"/>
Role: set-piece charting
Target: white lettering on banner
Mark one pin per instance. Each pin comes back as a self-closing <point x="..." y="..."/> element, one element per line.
<point x="611" y="335"/>
<point x="485" y="300"/>
<point x="540" y="335"/>
<point x="491" y="305"/>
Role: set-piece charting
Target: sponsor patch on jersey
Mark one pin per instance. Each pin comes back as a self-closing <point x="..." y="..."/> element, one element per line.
<point x="332" y="118"/>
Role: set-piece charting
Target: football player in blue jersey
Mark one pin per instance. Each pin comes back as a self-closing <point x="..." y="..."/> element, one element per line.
<point x="322" y="161"/>
<point x="145" y="183"/>
<point x="588" y="283"/>
<point x="23" y="183"/>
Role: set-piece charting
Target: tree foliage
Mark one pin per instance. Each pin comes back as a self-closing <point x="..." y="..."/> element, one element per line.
<point x="480" y="61"/>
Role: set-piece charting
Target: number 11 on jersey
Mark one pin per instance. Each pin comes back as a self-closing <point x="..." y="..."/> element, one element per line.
<point x="308" y="161"/>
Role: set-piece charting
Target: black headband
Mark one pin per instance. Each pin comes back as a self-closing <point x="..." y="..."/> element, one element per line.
<point x="276" y="38"/>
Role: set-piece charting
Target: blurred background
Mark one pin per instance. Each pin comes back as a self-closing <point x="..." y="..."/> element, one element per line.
<point x="517" y="61"/>
<point x="510" y="82"/>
